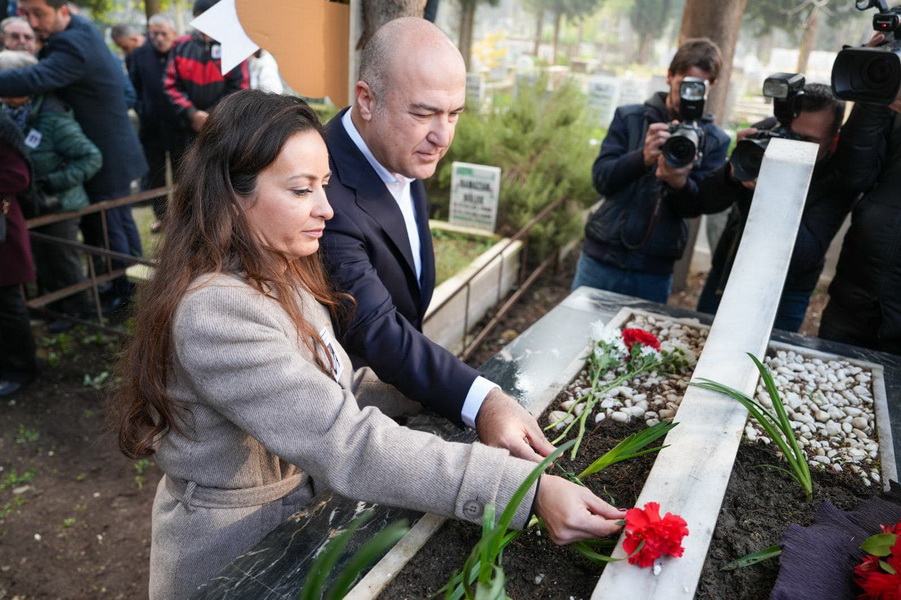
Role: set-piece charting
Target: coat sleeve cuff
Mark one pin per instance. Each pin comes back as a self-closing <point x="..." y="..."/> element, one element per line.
<point x="492" y="477"/>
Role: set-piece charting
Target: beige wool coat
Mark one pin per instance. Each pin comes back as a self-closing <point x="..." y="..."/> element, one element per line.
<point x="265" y="422"/>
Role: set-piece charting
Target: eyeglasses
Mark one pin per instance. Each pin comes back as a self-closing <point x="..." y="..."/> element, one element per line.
<point x="27" y="37"/>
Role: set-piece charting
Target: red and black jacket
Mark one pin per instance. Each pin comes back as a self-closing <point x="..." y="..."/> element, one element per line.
<point x="193" y="78"/>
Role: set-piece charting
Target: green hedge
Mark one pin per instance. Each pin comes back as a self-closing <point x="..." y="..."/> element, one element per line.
<point x="540" y="140"/>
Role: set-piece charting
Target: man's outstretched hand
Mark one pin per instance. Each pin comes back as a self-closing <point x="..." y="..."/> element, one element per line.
<point x="503" y="423"/>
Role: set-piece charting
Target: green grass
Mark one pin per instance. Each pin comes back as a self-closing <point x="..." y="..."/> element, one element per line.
<point x="453" y="251"/>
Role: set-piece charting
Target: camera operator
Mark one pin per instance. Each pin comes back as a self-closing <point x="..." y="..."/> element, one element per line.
<point x="633" y="240"/>
<point x="825" y="208"/>
<point x="864" y="306"/>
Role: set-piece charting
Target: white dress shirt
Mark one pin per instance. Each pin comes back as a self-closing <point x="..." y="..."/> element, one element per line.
<point x="399" y="186"/>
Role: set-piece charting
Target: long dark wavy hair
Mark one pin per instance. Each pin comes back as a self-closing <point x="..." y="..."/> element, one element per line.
<point x="206" y="233"/>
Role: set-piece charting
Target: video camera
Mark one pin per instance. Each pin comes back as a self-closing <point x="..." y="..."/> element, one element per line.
<point x="871" y="74"/>
<point x="687" y="139"/>
<point x="787" y="92"/>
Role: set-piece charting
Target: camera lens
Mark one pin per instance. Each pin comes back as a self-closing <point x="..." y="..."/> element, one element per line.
<point x="747" y="158"/>
<point x="878" y="71"/>
<point x="679" y="151"/>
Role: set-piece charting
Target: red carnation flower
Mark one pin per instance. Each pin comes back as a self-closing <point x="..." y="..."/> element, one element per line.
<point x="640" y="336"/>
<point x="654" y="535"/>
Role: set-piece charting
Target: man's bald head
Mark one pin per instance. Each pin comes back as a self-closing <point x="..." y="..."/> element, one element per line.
<point x="411" y="91"/>
<point x="401" y="41"/>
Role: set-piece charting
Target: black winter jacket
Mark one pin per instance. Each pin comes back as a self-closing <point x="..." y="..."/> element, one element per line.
<point x="866" y="290"/>
<point x="637" y="226"/>
<point x="827" y="204"/>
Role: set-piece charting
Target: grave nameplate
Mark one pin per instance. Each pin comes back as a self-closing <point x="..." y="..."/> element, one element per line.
<point x="475" y="191"/>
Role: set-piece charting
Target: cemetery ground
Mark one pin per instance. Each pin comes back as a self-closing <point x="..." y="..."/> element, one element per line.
<point x="75" y="513"/>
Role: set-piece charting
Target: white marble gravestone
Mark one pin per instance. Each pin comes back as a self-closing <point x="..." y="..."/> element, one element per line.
<point x="691" y="476"/>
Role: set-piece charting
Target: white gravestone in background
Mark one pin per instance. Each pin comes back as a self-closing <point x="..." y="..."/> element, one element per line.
<point x="603" y="98"/>
<point x="475" y="191"/>
<point x="633" y="91"/>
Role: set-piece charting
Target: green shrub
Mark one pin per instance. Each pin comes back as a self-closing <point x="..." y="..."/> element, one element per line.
<point x="540" y="140"/>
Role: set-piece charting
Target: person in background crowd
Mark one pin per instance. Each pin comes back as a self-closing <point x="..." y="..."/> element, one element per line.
<point x="236" y="385"/>
<point x="76" y="64"/>
<point x="825" y="209"/>
<point x="63" y="158"/>
<point x="194" y="82"/>
<point x="127" y="38"/>
<point x="264" y="73"/>
<point x="16" y="34"/>
<point x="864" y="306"/>
<point x="378" y="247"/>
<point x="18" y="361"/>
<point x="160" y="130"/>
<point x="633" y="240"/>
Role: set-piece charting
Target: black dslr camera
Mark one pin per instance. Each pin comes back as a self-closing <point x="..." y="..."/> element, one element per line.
<point x="871" y="74"/>
<point x="786" y="90"/>
<point x="687" y="137"/>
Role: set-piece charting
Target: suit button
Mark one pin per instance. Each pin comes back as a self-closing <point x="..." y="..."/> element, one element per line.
<point x="473" y="509"/>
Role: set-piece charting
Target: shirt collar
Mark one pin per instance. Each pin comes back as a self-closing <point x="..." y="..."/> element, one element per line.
<point x="384" y="174"/>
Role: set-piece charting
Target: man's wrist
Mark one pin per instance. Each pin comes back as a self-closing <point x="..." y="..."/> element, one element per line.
<point x="478" y="391"/>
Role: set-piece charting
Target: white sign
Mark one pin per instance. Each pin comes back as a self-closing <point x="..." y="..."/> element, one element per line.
<point x="633" y="91"/>
<point x="603" y="98"/>
<point x="475" y="90"/>
<point x="475" y="191"/>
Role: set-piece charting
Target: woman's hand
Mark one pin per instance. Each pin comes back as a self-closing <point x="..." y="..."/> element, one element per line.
<point x="571" y="512"/>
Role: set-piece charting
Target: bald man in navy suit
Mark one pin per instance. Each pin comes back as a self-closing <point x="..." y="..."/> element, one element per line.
<point x="378" y="246"/>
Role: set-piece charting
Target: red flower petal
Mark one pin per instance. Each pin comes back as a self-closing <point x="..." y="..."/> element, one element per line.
<point x="640" y="336"/>
<point x="660" y="535"/>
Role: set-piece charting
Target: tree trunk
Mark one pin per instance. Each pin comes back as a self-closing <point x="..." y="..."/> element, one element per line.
<point x="152" y="7"/>
<point x="467" y="18"/>
<point x="719" y="20"/>
<point x="378" y="12"/>
<point x="558" y="17"/>
<point x="539" y="25"/>
<point x="645" y="41"/>
<point x="808" y="40"/>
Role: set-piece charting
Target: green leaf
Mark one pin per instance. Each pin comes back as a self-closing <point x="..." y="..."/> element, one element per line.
<point x="368" y="553"/>
<point x="879" y="544"/>
<point x="887" y="567"/>
<point x="585" y="550"/>
<point x="629" y="447"/>
<point x="314" y="584"/>
<point x="752" y="559"/>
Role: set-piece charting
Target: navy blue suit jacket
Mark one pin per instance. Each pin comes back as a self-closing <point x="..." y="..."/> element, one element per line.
<point x="367" y="253"/>
<point x="78" y="66"/>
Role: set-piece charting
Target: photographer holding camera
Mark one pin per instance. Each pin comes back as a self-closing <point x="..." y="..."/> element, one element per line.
<point x="865" y="295"/>
<point x="809" y="113"/>
<point x="635" y="237"/>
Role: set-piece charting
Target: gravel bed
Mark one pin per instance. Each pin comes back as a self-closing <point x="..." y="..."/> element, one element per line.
<point x="830" y="401"/>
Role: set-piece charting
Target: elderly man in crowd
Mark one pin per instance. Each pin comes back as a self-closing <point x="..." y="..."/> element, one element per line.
<point x="127" y="38"/>
<point x="378" y="247"/>
<point x="160" y="132"/>
<point x="16" y="34"/>
<point x="77" y="65"/>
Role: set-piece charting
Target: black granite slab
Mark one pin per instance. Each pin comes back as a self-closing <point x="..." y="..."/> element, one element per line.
<point x="277" y="566"/>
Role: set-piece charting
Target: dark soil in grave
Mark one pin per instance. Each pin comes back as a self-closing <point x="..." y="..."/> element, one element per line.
<point x="63" y="479"/>
<point x="760" y="503"/>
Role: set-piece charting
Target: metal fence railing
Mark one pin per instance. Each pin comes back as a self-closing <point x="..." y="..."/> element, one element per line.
<point x="94" y="279"/>
<point x="97" y="274"/>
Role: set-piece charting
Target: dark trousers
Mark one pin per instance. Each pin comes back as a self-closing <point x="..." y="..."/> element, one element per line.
<point x="156" y="153"/>
<point x="59" y="266"/>
<point x="17" y="349"/>
<point x="123" y="236"/>
<point x="789" y="315"/>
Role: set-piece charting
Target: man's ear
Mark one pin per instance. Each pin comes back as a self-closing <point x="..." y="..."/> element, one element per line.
<point x="365" y="100"/>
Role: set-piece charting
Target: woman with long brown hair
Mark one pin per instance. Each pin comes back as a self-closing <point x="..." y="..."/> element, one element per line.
<point x="233" y="379"/>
